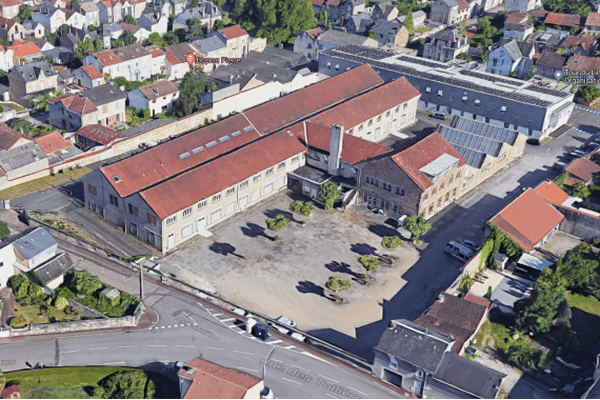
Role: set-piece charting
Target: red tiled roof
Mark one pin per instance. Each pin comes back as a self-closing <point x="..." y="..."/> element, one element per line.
<point x="6" y="24"/>
<point x="583" y="63"/>
<point x="107" y="57"/>
<point x="369" y="105"/>
<point x="232" y="32"/>
<point x="333" y="3"/>
<point x="129" y="27"/>
<point x="570" y="181"/>
<point x="171" y="59"/>
<point x="318" y="2"/>
<point x="515" y="18"/>
<point x="192" y="186"/>
<point x="539" y="13"/>
<point x="593" y="19"/>
<point x="212" y="381"/>
<point x="583" y="169"/>
<point x="8" y="3"/>
<point x="22" y="50"/>
<point x="586" y="43"/>
<point x="92" y="72"/>
<point x="158" y="89"/>
<point x="11" y="392"/>
<point x="8" y="137"/>
<point x="179" y="51"/>
<point x="51" y="142"/>
<point x="100" y="134"/>
<point x="425" y="151"/>
<point x="563" y="19"/>
<point x="354" y="149"/>
<point x="462" y="4"/>
<point x="454" y="317"/>
<point x="528" y="219"/>
<point x="478" y="300"/>
<point x="157" y="53"/>
<point x="72" y="102"/>
<point x="315" y="33"/>
<point x="161" y="162"/>
<point x="311" y="99"/>
<point x="551" y="193"/>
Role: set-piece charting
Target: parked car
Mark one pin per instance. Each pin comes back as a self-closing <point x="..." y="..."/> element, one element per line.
<point x="472" y="244"/>
<point x="438" y="115"/>
<point x="560" y="166"/>
<point x="284" y="321"/>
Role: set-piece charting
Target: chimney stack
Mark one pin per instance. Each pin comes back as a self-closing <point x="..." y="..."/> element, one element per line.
<point x="335" y="148"/>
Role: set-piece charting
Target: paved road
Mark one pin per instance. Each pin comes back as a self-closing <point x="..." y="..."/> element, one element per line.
<point x="186" y="331"/>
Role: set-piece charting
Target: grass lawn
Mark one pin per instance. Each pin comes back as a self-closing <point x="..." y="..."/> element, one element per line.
<point x="590" y="305"/>
<point x="31" y="314"/>
<point x="43" y="183"/>
<point x="13" y="106"/>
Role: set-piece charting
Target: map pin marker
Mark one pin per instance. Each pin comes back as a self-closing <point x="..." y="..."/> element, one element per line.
<point x="558" y="74"/>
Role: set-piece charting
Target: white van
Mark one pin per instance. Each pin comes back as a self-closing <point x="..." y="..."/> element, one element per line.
<point x="400" y="221"/>
<point x="459" y="251"/>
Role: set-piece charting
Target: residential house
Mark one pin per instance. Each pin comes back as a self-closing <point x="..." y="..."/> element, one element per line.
<point x="74" y="18"/>
<point x="450" y="12"/>
<point x="155" y="96"/>
<point x="140" y="34"/>
<point x="334" y="38"/>
<point x="581" y="170"/>
<point x="445" y="46"/>
<point x="418" y="359"/>
<point x="116" y="10"/>
<point x="516" y="18"/>
<point x="154" y="21"/>
<point x="205" y="12"/>
<point x="487" y="148"/>
<point x="50" y="16"/>
<point x="577" y="45"/>
<point x="419" y="18"/>
<point x="549" y="63"/>
<point x="109" y="32"/>
<point x="31" y="79"/>
<point x="65" y="76"/>
<point x="565" y="21"/>
<point x="11" y="30"/>
<point x="422" y="179"/>
<point x="10" y="8"/>
<point x="90" y="12"/>
<point x="133" y="62"/>
<point x="42" y="44"/>
<point x="72" y="36"/>
<point x="528" y="220"/>
<point x="32" y="248"/>
<point x="51" y="274"/>
<point x="10" y="139"/>
<point x="592" y="23"/>
<point x="200" y="379"/>
<point x="338" y="8"/>
<point x="585" y="66"/>
<point x="517" y="31"/>
<point x="457" y="318"/>
<point x="307" y="43"/>
<point x="392" y="33"/>
<point x="236" y="39"/>
<point x="6" y="59"/>
<point x="88" y="76"/>
<point x="56" y="148"/>
<point x="544" y="41"/>
<point x="358" y="24"/>
<point x="376" y="114"/>
<point x="539" y="14"/>
<point x="97" y="135"/>
<point x="510" y="56"/>
<point x="176" y="65"/>
<point x="34" y="29"/>
<point x="170" y="7"/>
<point x="521" y="5"/>
<point x="384" y="12"/>
<point x="210" y="48"/>
<point x="158" y="60"/>
<point x="103" y="104"/>
<point x="24" y="52"/>
<point x="21" y="161"/>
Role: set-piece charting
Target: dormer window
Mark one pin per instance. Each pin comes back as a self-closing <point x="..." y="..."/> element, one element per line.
<point x="477" y="102"/>
<point x="428" y="89"/>
<point x="503" y="109"/>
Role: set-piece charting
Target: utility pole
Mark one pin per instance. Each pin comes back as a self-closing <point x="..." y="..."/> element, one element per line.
<point x="141" y="281"/>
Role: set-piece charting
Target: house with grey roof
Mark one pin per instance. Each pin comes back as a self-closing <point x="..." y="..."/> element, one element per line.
<point x="518" y="31"/>
<point x="30" y="79"/>
<point x="549" y="63"/>
<point x="33" y="247"/>
<point x="110" y="31"/>
<point x="510" y="56"/>
<point x="72" y="36"/>
<point x="450" y="12"/>
<point x="33" y="28"/>
<point x="153" y="21"/>
<point x="384" y="12"/>
<point x="205" y="12"/>
<point x="445" y="46"/>
<point x="359" y="23"/>
<point x="334" y="38"/>
<point x="419" y="18"/>
<point x="544" y="41"/>
<point x="90" y="12"/>
<point x="22" y="160"/>
<point x="51" y="273"/>
<point x="49" y="16"/>
<point x="392" y="33"/>
<point x="419" y="360"/>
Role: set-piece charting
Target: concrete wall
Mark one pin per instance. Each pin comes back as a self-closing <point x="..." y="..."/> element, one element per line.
<point x="74" y="326"/>
<point x="7" y="258"/>
<point x="577" y="223"/>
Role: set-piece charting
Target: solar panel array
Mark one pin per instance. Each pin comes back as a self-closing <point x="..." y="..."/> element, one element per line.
<point x="373" y="54"/>
<point x="436" y="78"/>
<point x="471" y="141"/>
<point x="488" y="77"/>
<point x="423" y="61"/>
<point x="487" y="130"/>
<point x="550" y="92"/>
<point x="474" y="158"/>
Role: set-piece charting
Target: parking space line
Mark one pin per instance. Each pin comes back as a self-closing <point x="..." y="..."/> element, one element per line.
<point x="227" y="320"/>
<point x="243" y="352"/>
<point x="214" y="348"/>
<point x="275" y="341"/>
<point x="289" y="347"/>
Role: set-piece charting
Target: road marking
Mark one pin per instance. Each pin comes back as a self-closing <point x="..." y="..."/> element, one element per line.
<point x="175" y="326"/>
<point x="70" y="351"/>
<point x="114" y="362"/>
<point x="187" y="315"/>
<point x="162" y="327"/>
<point x="326" y="377"/>
<point x="243" y="352"/>
<point x="97" y="348"/>
<point x="307" y="370"/>
<point x="214" y="348"/>
<point x="248" y="369"/>
<point x="217" y="314"/>
<point x="331" y="396"/>
<point x="356" y="390"/>
<point x="183" y="345"/>
<point x="289" y="347"/>
<point x="231" y="326"/>
<point x="276" y="360"/>
<point x="131" y="345"/>
<point x="169" y="326"/>
<point x="227" y="320"/>
<point x="156" y="345"/>
<point x="297" y="383"/>
<point x="276" y="341"/>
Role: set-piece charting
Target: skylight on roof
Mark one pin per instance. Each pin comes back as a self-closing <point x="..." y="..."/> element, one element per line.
<point x="185" y="155"/>
<point x="248" y="128"/>
<point x="197" y="149"/>
<point x="224" y="138"/>
<point x="211" y="144"/>
<point x="236" y="133"/>
<point x="116" y="179"/>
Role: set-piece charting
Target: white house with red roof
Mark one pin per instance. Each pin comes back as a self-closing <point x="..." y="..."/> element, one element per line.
<point x="10" y="8"/>
<point x="6" y="59"/>
<point x="155" y="96"/>
<point x="176" y="65"/>
<point x="89" y="76"/>
<point x="235" y="38"/>
<point x="133" y="62"/>
<point x="116" y="10"/>
<point x="11" y="30"/>
<point x="158" y="59"/>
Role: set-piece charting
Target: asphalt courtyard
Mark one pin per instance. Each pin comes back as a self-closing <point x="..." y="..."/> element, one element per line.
<point x="288" y="277"/>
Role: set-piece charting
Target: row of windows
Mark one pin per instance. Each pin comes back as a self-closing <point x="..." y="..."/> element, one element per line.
<point x="464" y="98"/>
<point x="385" y="185"/>
<point x="382" y="203"/>
<point x="446" y="199"/>
<point x="442" y="185"/>
<point x="387" y="114"/>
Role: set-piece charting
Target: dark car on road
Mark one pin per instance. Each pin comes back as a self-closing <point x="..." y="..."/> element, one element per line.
<point x="438" y="115"/>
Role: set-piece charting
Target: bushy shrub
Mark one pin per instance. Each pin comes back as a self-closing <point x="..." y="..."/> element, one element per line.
<point x="391" y="242"/>
<point x="18" y="322"/>
<point x="277" y="223"/>
<point x="61" y="303"/>
<point x="35" y="291"/>
<point x="4" y="231"/>
<point x="304" y="208"/>
<point x="128" y="385"/>
<point x="296" y="206"/>
<point x="15" y="282"/>
<point x="23" y="290"/>
<point x="595" y="241"/>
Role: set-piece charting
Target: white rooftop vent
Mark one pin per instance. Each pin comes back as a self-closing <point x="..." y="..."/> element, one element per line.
<point x="248" y="128"/>
<point x="236" y="133"/>
<point x="184" y="155"/>
<point x="428" y="89"/>
<point x="477" y="101"/>
<point x="211" y="144"/>
<point x="503" y="109"/>
<point x="224" y="139"/>
<point x="197" y="149"/>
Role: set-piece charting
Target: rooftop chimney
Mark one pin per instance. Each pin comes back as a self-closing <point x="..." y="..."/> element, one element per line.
<point x="335" y="148"/>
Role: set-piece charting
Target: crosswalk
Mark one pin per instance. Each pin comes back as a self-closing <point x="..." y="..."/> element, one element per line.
<point x="590" y="110"/>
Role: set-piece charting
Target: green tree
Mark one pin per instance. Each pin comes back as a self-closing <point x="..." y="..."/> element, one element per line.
<point x="195" y="29"/>
<point x="35" y="291"/>
<point x="373" y="35"/>
<point x="82" y="47"/>
<point x="4" y="231"/>
<point x="391" y="242"/>
<point x="192" y="87"/>
<point x="60" y="303"/>
<point x="329" y="192"/>
<point x="85" y="283"/>
<point x="24" y="13"/>
<point x="463" y="28"/>
<point x="74" y="3"/>
<point x="171" y="38"/>
<point x="236" y="12"/>
<point x="369" y="263"/>
<point x="417" y="226"/>
<point x="155" y="38"/>
<point x="218" y="24"/>
<point x="116" y="43"/>
<point x="589" y="92"/>
<point x="128" y="19"/>
<point x="128" y="385"/>
<point x="20" y="125"/>
<point x="98" y="45"/>
<point x="52" y="39"/>
<point x="23" y="290"/>
<point x="336" y="284"/>
<point x="16" y="281"/>
<point x="128" y="38"/>
<point x="408" y="21"/>
<point x="466" y="282"/>
<point x="277" y="223"/>
<point x="580" y="190"/>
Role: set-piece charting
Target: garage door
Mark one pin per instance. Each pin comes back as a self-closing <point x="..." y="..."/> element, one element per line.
<point x="243" y="202"/>
<point x="215" y="216"/>
<point x="229" y="208"/>
<point x="268" y="189"/>
<point x="391" y="377"/>
<point x="256" y="195"/>
<point x="280" y="182"/>
<point x="201" y="224"/>
<point x="187" y="230"/>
